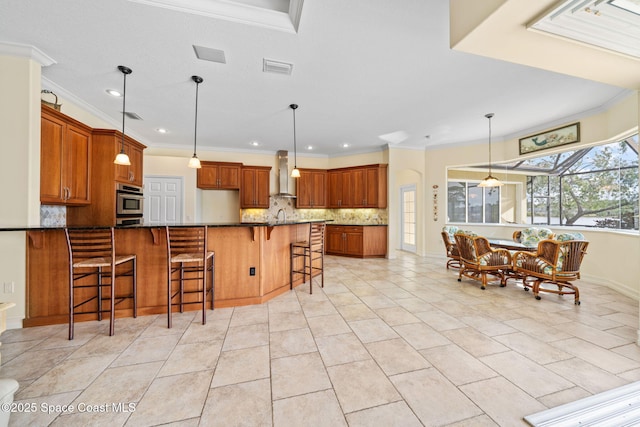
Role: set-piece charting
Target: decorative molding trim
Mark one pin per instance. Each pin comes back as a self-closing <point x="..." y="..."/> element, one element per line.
<point x="26" y="51"/>
<point x="236" y="12"/>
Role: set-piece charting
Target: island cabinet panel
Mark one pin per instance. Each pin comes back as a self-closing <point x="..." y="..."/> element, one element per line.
<point x="235" y="253"/>
<point x="65" y="159"/>
<point x="275" y="269"/>
<point x="311" y="189"/>
<point x="219" y="176"/>
<point x="356" y="240"/>
<point x="238" y="250"/>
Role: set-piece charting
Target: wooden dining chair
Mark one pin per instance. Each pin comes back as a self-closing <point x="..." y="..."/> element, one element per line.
<point x="479" y="260"/>
<point x="451" y="249"/>
<point x="556" y="263"/>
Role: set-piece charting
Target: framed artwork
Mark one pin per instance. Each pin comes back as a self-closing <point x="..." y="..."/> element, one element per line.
<point x="552" y="138"/>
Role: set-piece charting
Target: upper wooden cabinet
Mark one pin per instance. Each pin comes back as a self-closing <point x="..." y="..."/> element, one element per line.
<point x="311" y="189"/>
<point x="65" y="159"/>
<point x="340" y="193"/>
<point x="358" y="187"/>
<point x="254" y="191"/>
<point x="131" y="174"/>
<point x="105" y="144"/>
<point x="219" y="176"/>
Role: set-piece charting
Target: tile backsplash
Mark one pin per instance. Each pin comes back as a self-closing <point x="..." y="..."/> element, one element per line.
<point x="338" y="216"/>
<point x="53" y="216"/>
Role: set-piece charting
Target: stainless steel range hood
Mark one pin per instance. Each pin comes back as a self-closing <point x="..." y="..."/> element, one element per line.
<point x="283" y="175"/>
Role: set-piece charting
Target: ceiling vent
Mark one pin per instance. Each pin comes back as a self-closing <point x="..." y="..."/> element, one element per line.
<point x="276" y="67"/>
<point x="210" y="54"/>
<point x="132" y="116"/>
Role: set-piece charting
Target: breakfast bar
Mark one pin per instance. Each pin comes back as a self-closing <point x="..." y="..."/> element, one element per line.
<point x="251" y="267"/>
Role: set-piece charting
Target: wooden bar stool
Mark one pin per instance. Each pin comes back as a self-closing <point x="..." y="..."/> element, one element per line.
<point x="93" y="266"/>
<point x="312" y="251"/>
<point x="187" y="255"/>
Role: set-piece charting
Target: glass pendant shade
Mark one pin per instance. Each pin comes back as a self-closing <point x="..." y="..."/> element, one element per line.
<point x="490" y="180"/>
<point x="295" y="173"/>
<point x="194" y="162"/>
<point x="122" y="158"/>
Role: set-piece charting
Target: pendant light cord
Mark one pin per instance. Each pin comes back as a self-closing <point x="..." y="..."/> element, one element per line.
<point x="195" y="130"/>
<point x="295" y="150"/>
<point x="489" y="116"/>
<point x="124" y="110"/>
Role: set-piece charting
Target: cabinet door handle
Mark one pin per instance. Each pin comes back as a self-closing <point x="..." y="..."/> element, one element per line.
<point x="131" y="177"/>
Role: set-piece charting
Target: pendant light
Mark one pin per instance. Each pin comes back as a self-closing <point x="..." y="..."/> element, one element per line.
<point x="295" y="173"/>
<point x="194" y="162"/>
<point x="490" y="181"/>
<point x="122" y="158"/>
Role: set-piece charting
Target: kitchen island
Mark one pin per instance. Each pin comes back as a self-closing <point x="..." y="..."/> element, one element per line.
<point x="251" y="267"/>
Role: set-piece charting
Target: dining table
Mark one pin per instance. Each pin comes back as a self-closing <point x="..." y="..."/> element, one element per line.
<point x="511" y="245"/>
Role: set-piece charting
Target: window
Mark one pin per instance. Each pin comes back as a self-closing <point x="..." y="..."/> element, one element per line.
<point x="593" y="187"/>
<point x="466" y="202"/>
<point x="408" y="195"/>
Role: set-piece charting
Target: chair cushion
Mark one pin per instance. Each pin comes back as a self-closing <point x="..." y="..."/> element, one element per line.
<point x="570" y="236"/>
<point x="532" y="235"/>
<point x="450" y="230"/>
<point x="466" y="232"/>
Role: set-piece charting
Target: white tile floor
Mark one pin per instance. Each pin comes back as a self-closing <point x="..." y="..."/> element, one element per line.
<point x="388" y="342"/>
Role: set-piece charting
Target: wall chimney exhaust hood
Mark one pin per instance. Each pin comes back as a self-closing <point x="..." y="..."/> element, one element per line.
<point x="283" y="175"/>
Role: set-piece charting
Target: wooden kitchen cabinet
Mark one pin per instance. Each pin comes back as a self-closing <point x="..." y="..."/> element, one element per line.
<point x="362" y="241"/>
<point x="311" y="189"/>
<point x="130" y="174"/>
<point x="219" y="176"/>
<point x="254" y="188"/>
<point x="358" y="187"/>
<point x="339" y="192"/>
<point x="65" y="159"/>
<point x="105" y="144"/>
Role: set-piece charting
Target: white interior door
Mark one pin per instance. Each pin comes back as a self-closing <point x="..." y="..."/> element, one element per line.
<point x="408" y="217"/>
<point x="163" y="199"/>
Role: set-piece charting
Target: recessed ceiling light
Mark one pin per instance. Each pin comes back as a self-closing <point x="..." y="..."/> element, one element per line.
<point x="162" y="130"/>
<point x="345" y="145"/>
<point x="254" y="143"/>
<point x="309" y="147"/>
<point x="113" y="92"/>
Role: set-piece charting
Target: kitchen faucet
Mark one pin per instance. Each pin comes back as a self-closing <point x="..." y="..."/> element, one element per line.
<point x="284" y="215"/>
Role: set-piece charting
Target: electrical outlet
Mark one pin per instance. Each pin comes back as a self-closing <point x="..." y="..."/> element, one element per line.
<point x="252" y="271"/>
<point x="9" y="287"/>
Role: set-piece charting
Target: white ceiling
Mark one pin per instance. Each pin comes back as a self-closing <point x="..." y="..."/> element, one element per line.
<point x="361" y="69"/>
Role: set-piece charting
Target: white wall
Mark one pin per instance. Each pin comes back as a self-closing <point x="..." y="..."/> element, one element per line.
<point x="19" y="173"/>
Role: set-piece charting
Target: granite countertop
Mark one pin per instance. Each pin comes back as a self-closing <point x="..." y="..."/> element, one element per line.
<point x="354" y="224"/>
<point x="210" y="224"/>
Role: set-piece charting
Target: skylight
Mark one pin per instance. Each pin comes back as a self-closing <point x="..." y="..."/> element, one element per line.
<point x="611" y="24"/>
